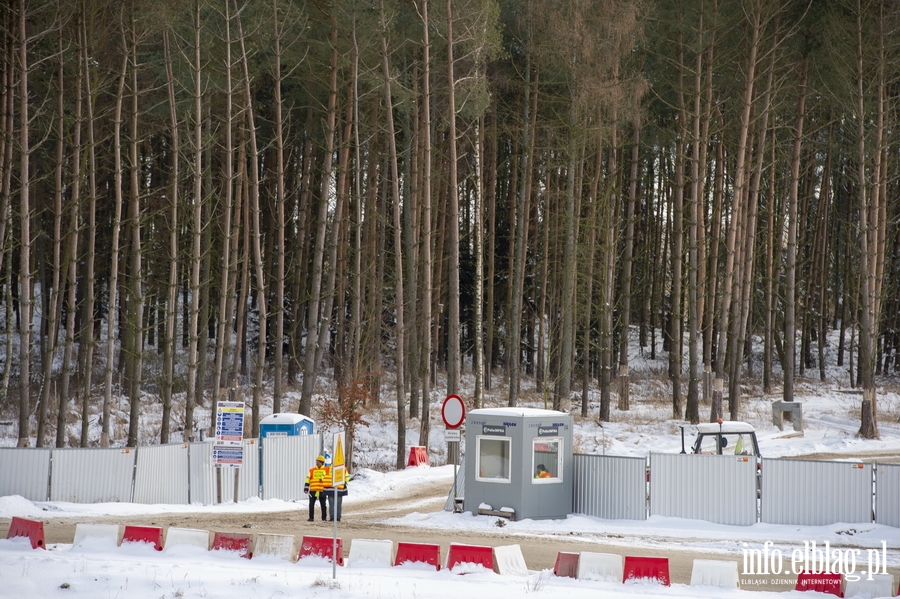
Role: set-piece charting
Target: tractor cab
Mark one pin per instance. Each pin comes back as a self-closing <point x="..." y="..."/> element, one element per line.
<point x="726" y="438"/>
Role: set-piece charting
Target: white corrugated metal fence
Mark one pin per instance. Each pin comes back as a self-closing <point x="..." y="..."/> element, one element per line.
<point x="91" y="475"/>
<point x="887" y="494"/>
<point x="25" y="472"/>
<point x="610" y="487"/>
<point x="161" y="474"/>
<point x="720" y="489"/>
<point x="815" y="493"/>
<point x="716" y="488"/>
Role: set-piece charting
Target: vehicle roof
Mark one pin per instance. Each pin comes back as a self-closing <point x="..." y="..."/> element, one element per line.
<point x="726" y="427"/>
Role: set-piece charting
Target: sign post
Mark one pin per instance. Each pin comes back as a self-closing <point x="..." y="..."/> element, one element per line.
<point x="228" y="451"/>
<point x="337" y="474"/>
<point x="453" y="413"/>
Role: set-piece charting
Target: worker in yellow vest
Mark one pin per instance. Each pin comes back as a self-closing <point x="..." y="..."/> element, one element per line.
<point x="318" y="479"/>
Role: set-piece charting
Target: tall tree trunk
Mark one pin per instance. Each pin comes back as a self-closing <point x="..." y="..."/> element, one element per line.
<point x="172" y="291"/>
<point x="7" y="124"/>
<point x="749" y="251"/>
<point x="790" y="265"/>
<point x="69" y="361"/>
<point x="25" y="291"/>
<point x="454" y="358"/>
<point x="242" y="229"/>
<point x="711" y="314"/>
<point x="518" y="267"/>
<point x="411" y="219"/>
<point x="736" y="219"/>
<point x="491" y="192"/>
<point x="624" y="380"/>
<point x="256" y="233"/>
<point x="136" y="289"/>
<point x="427" y="266"/>
<point x="313" y="321"/>
<point x="478" y="315"/>
<point x="196" y="234"/>
<point x="772" y="237"/>
<point x="111" y="315"/>
<point x="695" y="207"/>
<point x="400" y="329"/>
<point x="870" y="237"/>
<point x="589" y="282"/>
<point x="280" y="222"/>
<point x="562" y="397"/>
<point x="88" y="320"/>
<point x="223" y="331"/>
<point x="607" y="290"/>
<point x="49" y="352"/>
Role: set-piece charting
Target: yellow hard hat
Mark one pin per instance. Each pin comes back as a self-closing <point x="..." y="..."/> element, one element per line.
<point x="320" y="458"/>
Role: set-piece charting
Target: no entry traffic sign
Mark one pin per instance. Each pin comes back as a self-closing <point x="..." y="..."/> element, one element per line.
<point x="453" y="412"/>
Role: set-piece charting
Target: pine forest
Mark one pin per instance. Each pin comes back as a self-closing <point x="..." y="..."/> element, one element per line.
<point x="221" y="199"/>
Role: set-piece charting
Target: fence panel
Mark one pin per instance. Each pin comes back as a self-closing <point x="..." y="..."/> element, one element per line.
<point x="285" y="463"/>
<point x="610" y="487"/>
<point x="716" y="488"/>
<point x="161" y="474"/>
<point x="815" y="493"/>
<point x="887" y="494"/>
<point x="203" y="474"/>
<point x="25" y="472"/>
<point x="91" y="475"/>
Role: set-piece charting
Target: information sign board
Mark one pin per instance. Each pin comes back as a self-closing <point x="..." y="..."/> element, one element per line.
<point x="230" y="423"/>
<point x="228" y="457"/>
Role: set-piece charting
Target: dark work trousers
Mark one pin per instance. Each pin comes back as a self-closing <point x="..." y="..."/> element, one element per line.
<point x="334" y="510"/>
<point x="320" y="496"/>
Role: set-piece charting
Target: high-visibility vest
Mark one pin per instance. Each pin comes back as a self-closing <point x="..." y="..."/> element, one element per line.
<point x="318" y="478"/>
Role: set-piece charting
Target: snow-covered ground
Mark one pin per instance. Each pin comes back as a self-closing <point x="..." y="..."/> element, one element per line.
<point x="141" y="573"/>
<point x="95" y="569"/>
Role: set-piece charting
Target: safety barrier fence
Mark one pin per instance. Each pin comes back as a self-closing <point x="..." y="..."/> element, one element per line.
<point x="736" y="490"/>
<point x="505" y="560"/>
<point x="723" y="489"/>
<point x="180" y="473"/>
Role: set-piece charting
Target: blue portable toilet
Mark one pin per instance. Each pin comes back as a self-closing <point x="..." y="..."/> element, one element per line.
<point x="286" y="425"/>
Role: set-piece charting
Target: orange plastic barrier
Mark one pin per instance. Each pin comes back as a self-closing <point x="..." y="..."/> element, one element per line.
<point x="233" y="541"/>
<point x="144" y="534"/>
<point x="418" y="456"/>
<point x="322" y="546"/>
<point x="823" y="583"/>
<point x="418" y="553"/>
<point x="470" y="554"/>
<point x="34" y="530"/>
<point x="647" y="567"/>
<point x="566" y="564"/>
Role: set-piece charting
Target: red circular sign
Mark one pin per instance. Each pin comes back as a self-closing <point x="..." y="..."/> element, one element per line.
<point x="453" y="412"/>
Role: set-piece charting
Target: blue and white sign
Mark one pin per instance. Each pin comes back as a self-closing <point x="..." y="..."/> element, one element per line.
<point x="230" y="423"/>
<point x="228" y="457"/>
